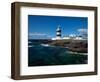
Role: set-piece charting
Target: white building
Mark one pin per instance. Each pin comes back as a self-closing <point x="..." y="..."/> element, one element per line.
<point x="66" y="38"/>
<point x="78" y="38"/>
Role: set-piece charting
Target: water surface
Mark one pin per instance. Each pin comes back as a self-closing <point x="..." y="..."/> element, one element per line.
<point x="40" y="54"/>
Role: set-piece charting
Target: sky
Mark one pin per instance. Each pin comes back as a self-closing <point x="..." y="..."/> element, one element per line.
<point x="41" y="27"/>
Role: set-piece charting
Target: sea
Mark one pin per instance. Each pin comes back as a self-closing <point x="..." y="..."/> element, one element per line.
<point x="42" y="54"/>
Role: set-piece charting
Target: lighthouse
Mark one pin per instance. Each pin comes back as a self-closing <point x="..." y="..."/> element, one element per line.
<point x="58" y="32"/>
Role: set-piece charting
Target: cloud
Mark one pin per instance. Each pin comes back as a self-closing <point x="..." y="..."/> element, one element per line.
<point x="83" y="33"/>
<point x="72" y="35"/>
<point x="38" y="35"/>
<point x="82" y="30"/>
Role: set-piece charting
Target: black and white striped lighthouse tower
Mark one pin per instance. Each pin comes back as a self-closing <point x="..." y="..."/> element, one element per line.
<point x="58" y="32"/>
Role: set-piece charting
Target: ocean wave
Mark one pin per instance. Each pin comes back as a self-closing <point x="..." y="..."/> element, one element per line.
<point x="30" y="45"/>
<point x="46" y="45"/>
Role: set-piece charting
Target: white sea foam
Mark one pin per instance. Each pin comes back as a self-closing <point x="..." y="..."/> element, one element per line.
<point x="30" y="45"/>
<point x="46" y="45"/>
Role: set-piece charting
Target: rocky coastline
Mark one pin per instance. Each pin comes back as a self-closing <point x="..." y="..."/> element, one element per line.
<point x="74" y="46"/>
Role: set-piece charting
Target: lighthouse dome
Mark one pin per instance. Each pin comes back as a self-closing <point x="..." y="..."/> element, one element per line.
<point x="58" y="29"/>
